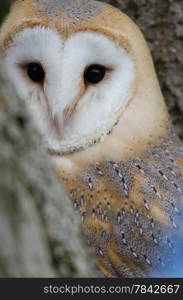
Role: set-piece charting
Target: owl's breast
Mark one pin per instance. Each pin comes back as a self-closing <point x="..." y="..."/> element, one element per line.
<point x="132" y="211"/>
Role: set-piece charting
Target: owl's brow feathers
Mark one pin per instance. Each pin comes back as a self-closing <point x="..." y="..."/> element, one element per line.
<point x="74" y="9"/>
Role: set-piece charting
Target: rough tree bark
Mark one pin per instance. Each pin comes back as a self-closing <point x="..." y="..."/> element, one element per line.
<point x="40" y="235"/>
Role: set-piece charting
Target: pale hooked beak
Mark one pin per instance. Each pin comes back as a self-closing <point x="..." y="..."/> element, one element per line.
<point x="61" y="119"/>
<point x="58" y="122"/>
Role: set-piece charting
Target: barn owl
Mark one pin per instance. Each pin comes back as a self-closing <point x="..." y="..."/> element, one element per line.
<point x="85" y="71"/>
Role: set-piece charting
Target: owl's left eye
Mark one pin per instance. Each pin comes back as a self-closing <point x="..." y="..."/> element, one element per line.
<point x="94" y="74"/>
<point x="35" y="72"/>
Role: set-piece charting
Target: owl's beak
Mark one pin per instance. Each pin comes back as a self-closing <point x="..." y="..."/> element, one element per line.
<point x="61" y="119"/>
<point x="58" y="122"/>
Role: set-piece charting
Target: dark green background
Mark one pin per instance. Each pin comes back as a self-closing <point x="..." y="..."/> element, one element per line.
<point x="4" y="6"/>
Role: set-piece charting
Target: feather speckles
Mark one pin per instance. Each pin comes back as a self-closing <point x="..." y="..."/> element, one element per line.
<point x="135" y="228"/>
<point x="74" y="9"/>
<point x="116" y="167"/>
<point x="90" y="184"/>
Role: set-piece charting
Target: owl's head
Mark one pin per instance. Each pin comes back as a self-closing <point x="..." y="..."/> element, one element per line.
<point x="85" y="71"/>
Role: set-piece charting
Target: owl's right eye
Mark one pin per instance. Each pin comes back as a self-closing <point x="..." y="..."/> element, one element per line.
<point x="35" y="72"/>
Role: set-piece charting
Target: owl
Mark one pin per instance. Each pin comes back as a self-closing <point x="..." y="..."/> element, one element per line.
<point x="87" y="76"/>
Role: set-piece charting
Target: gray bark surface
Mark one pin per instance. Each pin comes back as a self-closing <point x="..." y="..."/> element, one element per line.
<point x="40" y="233"/>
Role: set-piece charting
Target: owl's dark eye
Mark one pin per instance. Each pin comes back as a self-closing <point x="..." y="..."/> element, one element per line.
<point x="35" y="72"/>
<point x="94" y="74"/>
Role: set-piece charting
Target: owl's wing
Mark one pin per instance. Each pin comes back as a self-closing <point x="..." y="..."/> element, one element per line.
<point x="132" y="211"/>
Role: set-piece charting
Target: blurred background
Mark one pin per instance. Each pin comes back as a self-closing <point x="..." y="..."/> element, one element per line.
<point x="162" y="24"/>
<point x="4" y="7"/>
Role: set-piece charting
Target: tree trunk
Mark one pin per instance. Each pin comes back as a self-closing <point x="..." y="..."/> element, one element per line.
<point x="40" y="233"/>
